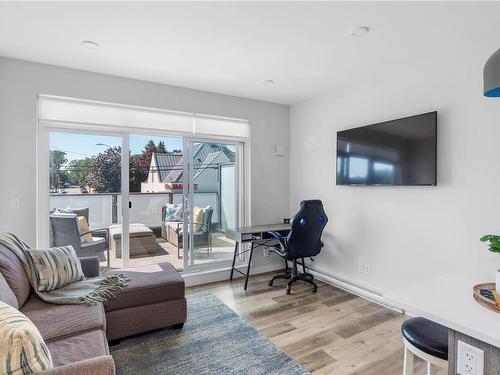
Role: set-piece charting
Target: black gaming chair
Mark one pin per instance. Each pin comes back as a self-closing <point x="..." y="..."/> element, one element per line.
<point x="304" y="240"/>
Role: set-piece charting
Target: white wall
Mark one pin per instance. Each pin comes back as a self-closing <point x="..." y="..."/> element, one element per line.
<point x="404" y="233"/>
<point x="21" y="81"/>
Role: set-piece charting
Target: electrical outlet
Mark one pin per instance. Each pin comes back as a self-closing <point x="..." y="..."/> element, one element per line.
<point x="367" y="269"/>
<point x="364" y="268"/>
<point x="470" y="359"/>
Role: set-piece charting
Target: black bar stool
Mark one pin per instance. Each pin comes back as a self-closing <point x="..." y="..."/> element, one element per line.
<point x="427" y="340"/>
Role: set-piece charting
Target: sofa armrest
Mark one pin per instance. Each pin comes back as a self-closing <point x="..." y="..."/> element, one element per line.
<point x="90" y="266"/>
<point x="95" y="366"/>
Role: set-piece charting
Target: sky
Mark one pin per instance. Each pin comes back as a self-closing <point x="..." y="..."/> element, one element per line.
<point x="79" y="146"/>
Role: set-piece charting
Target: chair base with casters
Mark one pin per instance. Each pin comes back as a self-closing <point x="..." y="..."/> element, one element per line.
<point x="295" y="276"/>
<point x="426" y="340"/>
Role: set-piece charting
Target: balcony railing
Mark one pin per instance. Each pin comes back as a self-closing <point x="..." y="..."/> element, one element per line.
<point x="106" y="208"/>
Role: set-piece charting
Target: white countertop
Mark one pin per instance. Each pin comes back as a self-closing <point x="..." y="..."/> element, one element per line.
<point x="447" y="299"/>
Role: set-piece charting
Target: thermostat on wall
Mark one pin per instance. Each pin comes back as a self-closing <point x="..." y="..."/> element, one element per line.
<point x="279" y="150"/>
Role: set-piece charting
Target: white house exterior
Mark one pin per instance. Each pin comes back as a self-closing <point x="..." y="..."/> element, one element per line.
<point x="166" y="170"/>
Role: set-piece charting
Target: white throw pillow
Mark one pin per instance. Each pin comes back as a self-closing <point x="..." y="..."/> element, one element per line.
<point x="22" y="349"/>
<point x="55" y="267"/>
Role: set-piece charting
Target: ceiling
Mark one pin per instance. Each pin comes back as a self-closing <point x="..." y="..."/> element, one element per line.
<point x="232" y="47"/>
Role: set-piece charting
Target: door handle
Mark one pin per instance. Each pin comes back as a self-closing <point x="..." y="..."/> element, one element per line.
<point x="129" y="204"/>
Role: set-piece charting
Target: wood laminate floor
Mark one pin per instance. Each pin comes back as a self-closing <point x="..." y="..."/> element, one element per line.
<point x="331" y="332"/>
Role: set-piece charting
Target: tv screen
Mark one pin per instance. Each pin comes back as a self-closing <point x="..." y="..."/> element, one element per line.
<point x="399" y="152"/>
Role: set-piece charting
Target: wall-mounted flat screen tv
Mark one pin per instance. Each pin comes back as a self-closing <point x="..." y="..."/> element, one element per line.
<point x="399" y="152"/>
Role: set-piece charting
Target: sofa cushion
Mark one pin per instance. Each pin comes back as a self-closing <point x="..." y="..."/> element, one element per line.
<point x="148" y="284"/>
<point x="56" y="321"/>
<point x="6" y="294"/>
<point x="22" y="349"/>
<point x="12" y="269"/>
<point x="79" y="347"/>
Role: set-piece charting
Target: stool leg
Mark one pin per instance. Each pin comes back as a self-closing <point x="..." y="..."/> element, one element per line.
<point x="408" y="362"/>
<point x="429" y="368"/>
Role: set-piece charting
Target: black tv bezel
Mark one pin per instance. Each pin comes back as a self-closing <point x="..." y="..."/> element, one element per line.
<point x="385" y="122"/>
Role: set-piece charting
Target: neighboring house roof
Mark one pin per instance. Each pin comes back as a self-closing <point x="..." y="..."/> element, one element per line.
<point x="170" y="166"/>
<point x="165" y="163"/>
<point x="199" y="168"/>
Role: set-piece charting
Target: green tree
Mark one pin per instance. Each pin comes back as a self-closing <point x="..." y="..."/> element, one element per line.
<point x="137" y="173"/>
<point x="58" y="176"/>
<point x="105" y="172"/>
<point x="161" y="147"/>
<point x="79" y="170"/>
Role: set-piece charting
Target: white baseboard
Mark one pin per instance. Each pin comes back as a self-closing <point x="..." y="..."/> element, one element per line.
<point x="222" y="274"/>
<point x="357" y="289"/>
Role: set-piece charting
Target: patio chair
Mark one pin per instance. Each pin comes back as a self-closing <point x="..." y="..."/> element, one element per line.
<point x="66" y="231"/>
<point x="173" y="232"/>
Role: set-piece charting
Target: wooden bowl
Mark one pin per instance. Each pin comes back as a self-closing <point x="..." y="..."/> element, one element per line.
<point x="486" y="302"/>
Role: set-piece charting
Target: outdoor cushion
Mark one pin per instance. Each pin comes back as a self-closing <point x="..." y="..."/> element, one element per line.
<point x="6" y="294"/>
<point x="173" y="212"/>
<point x="55" y="267"/>
<point x="198" y="215"/>
<point x="22" y="349"/>
<point x="79" y="347"/>
<point x="84" y="228"/>
<point x="12" y="269"/>
<point x="148" y="284"/>
<point x="55" y="321"/>
<point x="95" y="240"/>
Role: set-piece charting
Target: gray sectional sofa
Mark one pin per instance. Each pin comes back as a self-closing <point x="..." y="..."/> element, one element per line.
<point x="77" y="335"/>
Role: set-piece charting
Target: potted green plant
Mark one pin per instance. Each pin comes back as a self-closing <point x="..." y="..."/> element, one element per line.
<point x="494" y="247"/>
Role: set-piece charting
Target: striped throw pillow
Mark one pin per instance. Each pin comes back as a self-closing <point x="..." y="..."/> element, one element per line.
<point x="22" y="349"/>
<point x="55" y="267"/>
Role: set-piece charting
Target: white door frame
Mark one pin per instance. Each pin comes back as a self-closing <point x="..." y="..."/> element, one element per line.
<point x="241" y="194"/>
<point x="42" y="200"/>
<point x="42" y="182"/>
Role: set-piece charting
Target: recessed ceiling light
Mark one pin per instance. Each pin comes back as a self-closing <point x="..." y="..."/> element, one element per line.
<point x="359" y="31"/>
<point x="268" y="82"/>
<point x="90" y="44"/>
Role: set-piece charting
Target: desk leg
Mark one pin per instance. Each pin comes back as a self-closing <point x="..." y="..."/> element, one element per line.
<point x="234" y="259"/>
<point x="248" y="269"/>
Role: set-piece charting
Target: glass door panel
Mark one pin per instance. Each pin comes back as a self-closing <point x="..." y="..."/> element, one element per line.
<point x="156" y="209"/>
<point x="85" y="175"/>
<point x="212" y="203"/>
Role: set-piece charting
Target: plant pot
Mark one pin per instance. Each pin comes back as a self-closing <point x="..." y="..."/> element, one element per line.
<point x="497" y="281"/>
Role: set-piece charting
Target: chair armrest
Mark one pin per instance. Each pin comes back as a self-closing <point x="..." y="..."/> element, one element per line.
<point x="95" y="366"/>
<point x="95" y="230"/>
<point x="203" y="225"/>
<point x="90" y="266"/>
<point x="282" y="251"/>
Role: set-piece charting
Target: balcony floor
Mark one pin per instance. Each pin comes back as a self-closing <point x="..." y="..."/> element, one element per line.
<point x="222" y="250"/>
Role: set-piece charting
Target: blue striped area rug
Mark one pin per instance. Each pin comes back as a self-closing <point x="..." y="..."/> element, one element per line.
<point x="214" y="340"/>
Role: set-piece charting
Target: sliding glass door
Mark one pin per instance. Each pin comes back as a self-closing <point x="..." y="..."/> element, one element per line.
<point x="85" y="194"/>
<point x="211" y="201"/>
<point x="180" y="197"/>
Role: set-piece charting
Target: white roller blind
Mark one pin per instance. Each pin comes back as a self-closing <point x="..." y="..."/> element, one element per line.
<point x="66" y="110"/>
<point x="207" y="125"/>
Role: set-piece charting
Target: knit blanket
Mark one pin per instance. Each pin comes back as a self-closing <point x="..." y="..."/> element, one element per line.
<point x="88" y="291"/>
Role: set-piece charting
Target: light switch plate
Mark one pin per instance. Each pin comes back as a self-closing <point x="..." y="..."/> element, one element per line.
<point x="279" y="150"/>
<point x="470" y="360"/>
<point x="14" y="203"/>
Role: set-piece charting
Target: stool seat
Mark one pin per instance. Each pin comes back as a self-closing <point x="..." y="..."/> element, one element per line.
<point x="427" y="336"/>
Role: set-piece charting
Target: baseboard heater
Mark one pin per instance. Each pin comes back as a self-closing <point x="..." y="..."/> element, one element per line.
<point x="355" y="288"/>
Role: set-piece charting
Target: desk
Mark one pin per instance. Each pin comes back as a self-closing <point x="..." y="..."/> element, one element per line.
<point x="257" y="236"/>
<point x="447" y="299"/>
